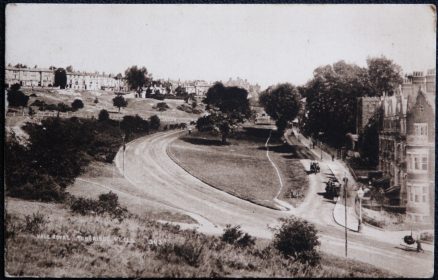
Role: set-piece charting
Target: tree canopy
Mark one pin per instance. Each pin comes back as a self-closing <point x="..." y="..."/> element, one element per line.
<point x="60" y="78"/>
<point x="332" y="96"/>
<point x="282" y="103"/>
<point x="17" y="98"/>
<point x="119" y="102"/>
<point x="227" y="107"/>
<point x="77" y="104"/>
<point x="137" y="78"/>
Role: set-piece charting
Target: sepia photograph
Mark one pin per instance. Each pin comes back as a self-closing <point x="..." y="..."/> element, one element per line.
<point x="219" y="140"/>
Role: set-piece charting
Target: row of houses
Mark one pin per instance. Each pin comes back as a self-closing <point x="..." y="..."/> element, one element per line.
<point x="45" y="77"/>
<point x="406" y="144"/>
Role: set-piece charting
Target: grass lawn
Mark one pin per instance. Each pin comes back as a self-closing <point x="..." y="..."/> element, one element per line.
<point x="154" y="250"/>
<point x="242" y="168"/>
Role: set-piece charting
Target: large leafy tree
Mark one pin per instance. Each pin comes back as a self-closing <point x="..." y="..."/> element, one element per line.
<point x="60" y="78"/>
<point x="227" y="107"/>
<point x="282" y="103"/>
<point x="384" y="74"/>
<point x="137" y="78"/>
<point x="16" y="98"/>
<point x="331" y="100"/>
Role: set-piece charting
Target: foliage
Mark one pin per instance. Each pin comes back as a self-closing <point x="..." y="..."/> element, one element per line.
<point x="107" y="203"/>
<point x="282" y="103"/>
<point x="228" y="106"/>
<point x="154" y="122"/>
<point x="60" y="78"/>
<point x="119" y="102"/>
<point x="96" y="100"/>
<point x="369" y="140"/>
<point x="34" y="224"/>
<point x="384" y="74"/>
<point x="137" y="78"/>
<point x="17" y="98"/>
<point x="233" y="235"/>
<point x="331" y="101"/>
<point x="189" y="253"/>
<point x="204" y="124"/>
<point x="181" y="91"/>
<point x="103" y="115"/>
<point x="162" y="106"/>
<point x="69" y="68"/>
<point x="77" y="104"/>
<point x="298" y="239"/>
<point x="62" y="107"/>
<point x="134" y="124"/>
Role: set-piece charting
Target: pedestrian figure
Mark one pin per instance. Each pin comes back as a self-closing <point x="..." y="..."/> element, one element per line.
<point x="333" y="157"/>
<point x="419" y="248"/>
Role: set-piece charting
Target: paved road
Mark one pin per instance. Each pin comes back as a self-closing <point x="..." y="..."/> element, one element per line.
<point x="150" y="169"/>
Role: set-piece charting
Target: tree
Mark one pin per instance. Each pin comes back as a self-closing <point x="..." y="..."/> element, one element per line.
<point x="298" y="239"/>
<point x="119" y="102"/>
<point x="384" y="74"/>
<point x="369" y="140"/>
<point x="154" y="122"/>
<point x="16" y="98"/>
<point x="103" y="115"/>
<point x="77" y="104"/>
<point x="60" y="78"/>
<point x="19" y="65"/>
<point x="228" y="106"/>
<point x="137" y="78"/>
<point x="331" y="98"/>
<point x="282" y="103"/>
<point x="69" y="69"/>
<point x="52" y="67"/>
<point x="181" y="92"/>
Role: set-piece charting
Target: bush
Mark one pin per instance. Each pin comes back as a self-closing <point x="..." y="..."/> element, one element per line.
<point x="233" y="235"/>
<point x="77" y="104"/>
<point x="134" y="124"/>
<point x="107" y="203"/>
<point x="103" y="115"/>
<point x="62" y="107"/>
<point x="188" y="252"/>
<point x="34" y="224"/>
<point x="162" y="106"/>
<point x="298" y="239"/>
<point x="154" y="122"/>
<point x="96" y="100"/>
<point x="204" y="124"/>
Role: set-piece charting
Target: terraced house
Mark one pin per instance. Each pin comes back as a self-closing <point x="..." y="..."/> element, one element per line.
<point x="407" y="146"/>
<point x="29" y="77"/>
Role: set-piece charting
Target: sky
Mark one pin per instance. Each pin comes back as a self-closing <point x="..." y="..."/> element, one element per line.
<point x="265" y="44"/>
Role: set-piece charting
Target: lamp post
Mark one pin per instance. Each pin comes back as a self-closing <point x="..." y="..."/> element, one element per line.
<point x="345" y="206"/>
<point x="360" y="194"/>
<point x="124" y="147"/>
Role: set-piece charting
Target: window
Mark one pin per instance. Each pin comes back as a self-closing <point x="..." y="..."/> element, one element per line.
<point x="417" y="161"/>
<point x="420" y="129"/>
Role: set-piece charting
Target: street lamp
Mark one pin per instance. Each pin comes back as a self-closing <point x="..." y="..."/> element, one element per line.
<point x="360" y="194"/>
<point x="345" y="206"/>
<point x="124" y="147"/>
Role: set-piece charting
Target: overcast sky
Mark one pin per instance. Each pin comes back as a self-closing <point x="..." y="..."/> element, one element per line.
<point x="265" y="44"/>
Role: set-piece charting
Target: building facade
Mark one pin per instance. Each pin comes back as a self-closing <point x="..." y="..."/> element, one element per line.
<point x="366" y="108"/>
<point x="29" y="77"/>
<point x="42" y="77"/>
<point x="407" y="146"/>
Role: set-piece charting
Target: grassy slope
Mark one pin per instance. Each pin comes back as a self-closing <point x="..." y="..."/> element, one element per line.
<point x="241" y="168"/>
<point x="135" y="105"/>
<point x="29" y="256"/>
<point x="102" y="178"/>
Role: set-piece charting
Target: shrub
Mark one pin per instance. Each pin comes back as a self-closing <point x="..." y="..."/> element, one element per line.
<point x="11" y="226"/>
<point x="162" y="106"/>
<point x="188" y="252"/>
<point x="204" y="124"/>
<point x="96" y="100"/>
<point x="34" y="224"/>
<point x="154" y="122"/>
<point x="62" y="107"/>
<point x="298" y="239"/>
<point x="233" y="235"/>
<point x="107" y="203"/>
<point x="77" y="104"/>
<point x="103" y="115"/>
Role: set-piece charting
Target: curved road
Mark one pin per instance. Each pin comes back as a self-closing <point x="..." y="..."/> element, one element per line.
<point x="149" y="168"/>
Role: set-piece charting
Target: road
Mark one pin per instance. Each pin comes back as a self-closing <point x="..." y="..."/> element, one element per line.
<point x="149" y="168"/>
